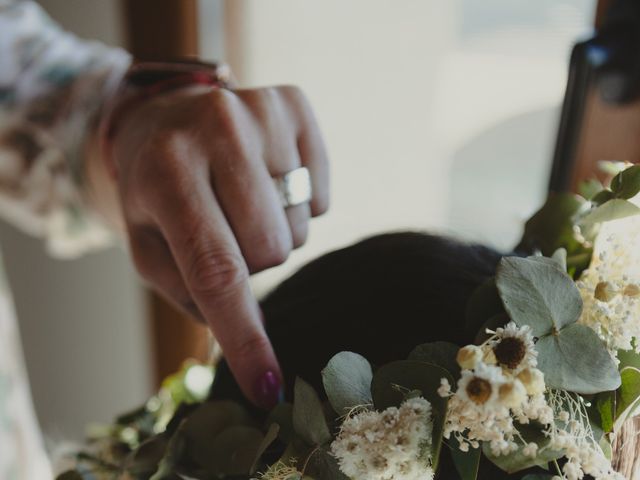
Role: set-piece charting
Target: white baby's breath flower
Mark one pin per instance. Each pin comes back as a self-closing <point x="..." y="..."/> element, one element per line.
<point x="394" y="444"/>
<point x="610" y="287"/>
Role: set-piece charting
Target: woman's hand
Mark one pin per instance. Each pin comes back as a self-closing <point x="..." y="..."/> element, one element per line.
<point x="195" y="171"/>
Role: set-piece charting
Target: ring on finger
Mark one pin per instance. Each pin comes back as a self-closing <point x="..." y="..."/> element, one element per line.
<point x="294" y="187"/>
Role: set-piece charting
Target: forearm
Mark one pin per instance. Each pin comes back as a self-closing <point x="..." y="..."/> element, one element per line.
<point x="53" y="87"/>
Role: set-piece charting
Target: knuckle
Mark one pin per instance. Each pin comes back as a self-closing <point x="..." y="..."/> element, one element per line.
<point x="248" y="346"/>
<point x="216" y="272"/>
<point x="272" y="250"/>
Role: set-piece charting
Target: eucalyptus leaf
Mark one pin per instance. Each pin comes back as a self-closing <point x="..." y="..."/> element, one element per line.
<point x="538" y="294"/>
<point x="612" y="210"/>
<point x="517" y="461"/>
<point x="282" y="415"/>
<point x="626" y="184"/>
<point x="442" y="354"/>
<point x="575" y="359"/>
<point x="204" y="425"/>
<point x="497" y="321"/>
<point x="538" y="476"/>
<point x="627" y="396"/>
<point x="234" y="450"/>
<point x="391" y="381"/>
<point x="321" y="465"/>
<point x="347" y="381"/>
<point x="269" y="437"/>
<point x="145" y="459"/>
<point x="308" y="415"/>
<point x="466" y="463"/>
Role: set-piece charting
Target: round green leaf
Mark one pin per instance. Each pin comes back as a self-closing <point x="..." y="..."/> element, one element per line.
<point x="308" y="415"/>
<point x="575" y="359"/>
<point x="347" y="381"/>
<point x="611" y="210"/>
<point x="234" y="451"/>
<point x="537" y="293"/>
<point x="282" y="415"/>
<point x="146" y="458"/>
<point x="393" y="379"/>
<point x="442" y="354"/>
<point x="626" y="184"/>
<point x="204" y="425"/>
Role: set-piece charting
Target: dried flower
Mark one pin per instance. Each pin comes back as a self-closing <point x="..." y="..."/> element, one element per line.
<point x="390" y="445"/>
<point x="469" y="356"/>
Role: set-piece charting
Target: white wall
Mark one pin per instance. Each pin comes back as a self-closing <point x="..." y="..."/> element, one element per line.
<point x="438" y="114"/>
<point x="83" y="322"/>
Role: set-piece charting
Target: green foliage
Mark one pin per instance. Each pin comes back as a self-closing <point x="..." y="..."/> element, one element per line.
<point x="572" y="357"/>
<point x="347" y="381"/>
<point x="613" y="209"/>
<point x="626" y="184"/>
<point x="308" y="415"/>
<point x="551" y="227"/>
<point x="628" y="395"/>
<point x="538" y="294"/>
<point x="442" y="354"/>
<point x="517" y="461"/>
<point x="466" y="463"/>
<point x="282" y="415"/>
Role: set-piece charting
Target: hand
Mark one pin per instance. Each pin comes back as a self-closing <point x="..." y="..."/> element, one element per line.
<point x="202" y="212"/>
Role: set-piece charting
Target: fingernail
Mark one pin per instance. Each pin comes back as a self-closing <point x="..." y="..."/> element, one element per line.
<point x="269" y="390"/>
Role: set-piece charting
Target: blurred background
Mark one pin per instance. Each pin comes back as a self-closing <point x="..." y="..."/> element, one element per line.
<point x="439" y="115"/>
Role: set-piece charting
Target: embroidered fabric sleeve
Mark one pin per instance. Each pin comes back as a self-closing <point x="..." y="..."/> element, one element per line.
<point x="52" y="87"/>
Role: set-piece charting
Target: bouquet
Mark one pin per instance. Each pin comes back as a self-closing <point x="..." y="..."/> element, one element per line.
<point x="553" y="375"/>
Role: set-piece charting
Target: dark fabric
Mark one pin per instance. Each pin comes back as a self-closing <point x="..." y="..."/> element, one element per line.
<point x="380" y="298"/>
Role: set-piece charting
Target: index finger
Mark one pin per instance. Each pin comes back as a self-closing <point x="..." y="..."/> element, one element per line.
<point x="216" y="275"/>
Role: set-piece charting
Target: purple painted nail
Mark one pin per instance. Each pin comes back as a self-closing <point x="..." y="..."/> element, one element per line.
<point x="269" y="390"/>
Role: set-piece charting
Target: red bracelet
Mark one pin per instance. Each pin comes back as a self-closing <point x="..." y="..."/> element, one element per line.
<point x="150" y="79"/>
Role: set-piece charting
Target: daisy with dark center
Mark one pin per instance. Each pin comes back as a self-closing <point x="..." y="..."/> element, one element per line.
<point x="513" y="347"/>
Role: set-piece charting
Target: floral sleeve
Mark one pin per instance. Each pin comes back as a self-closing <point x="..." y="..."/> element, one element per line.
<point x="52" y="86"/>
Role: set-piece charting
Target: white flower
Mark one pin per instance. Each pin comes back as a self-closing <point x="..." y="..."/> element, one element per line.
<point x="481" y="385"/>
<point x="394" y="444"/>
<point x="610" y="287"/>
<point x="533" y="380"/>
<point x="512" y="394"/>
<point x="468" y="357"/>
<point x="513" y="347"/>
<point x="530" y="450"/>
